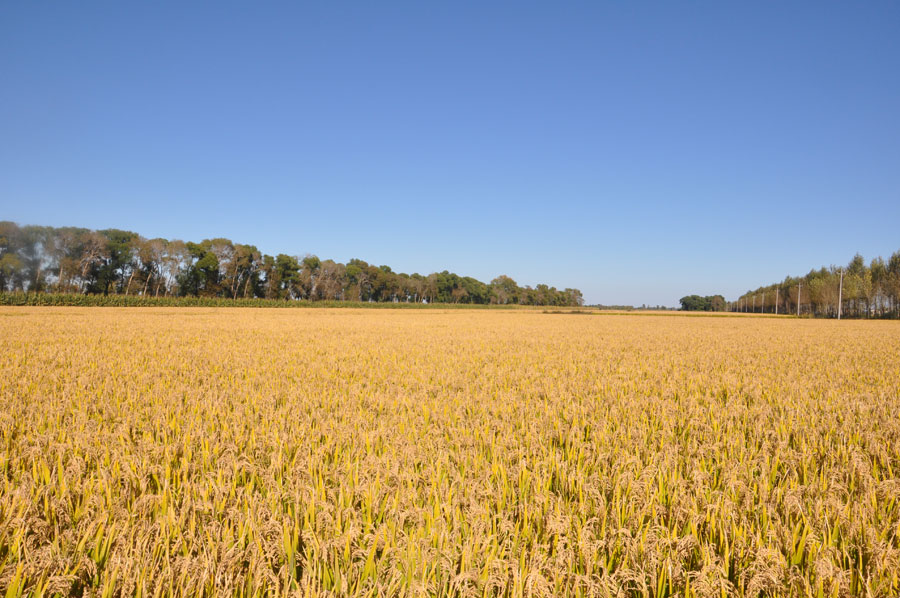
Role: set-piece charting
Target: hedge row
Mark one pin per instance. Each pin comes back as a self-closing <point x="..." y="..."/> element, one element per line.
<point x="77" y="300"/>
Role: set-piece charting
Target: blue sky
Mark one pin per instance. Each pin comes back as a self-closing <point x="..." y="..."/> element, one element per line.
<point x="638" y="151"/>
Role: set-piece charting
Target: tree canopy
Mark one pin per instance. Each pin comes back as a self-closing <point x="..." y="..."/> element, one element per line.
<point x="855" y="290"/>
<point x="112" y="261"/>
<point x="698" y="303"/>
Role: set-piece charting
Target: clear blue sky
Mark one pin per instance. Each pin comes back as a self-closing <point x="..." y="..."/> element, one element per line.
<point x="638" y="151"/>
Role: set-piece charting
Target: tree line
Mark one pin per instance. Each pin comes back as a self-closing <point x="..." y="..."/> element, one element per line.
<point x="698" y="303"/>
<point x="856" y="290"/>
<point x="44" y="259"/>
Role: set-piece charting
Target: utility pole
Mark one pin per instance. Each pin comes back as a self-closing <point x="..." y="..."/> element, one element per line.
<point x="799" y="286"/>
<point x="840" y="294"/>
<point x="776" y="301"/>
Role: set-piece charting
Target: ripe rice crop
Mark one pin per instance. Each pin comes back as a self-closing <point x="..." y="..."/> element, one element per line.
<point x="189" y="452"/>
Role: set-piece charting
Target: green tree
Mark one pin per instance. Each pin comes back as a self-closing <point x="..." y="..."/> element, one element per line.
<point x="504" y="290"/>
<point x="11" y="265"/>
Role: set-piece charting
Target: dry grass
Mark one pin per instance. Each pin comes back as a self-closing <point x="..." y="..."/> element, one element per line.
<point x="189" y="452"/>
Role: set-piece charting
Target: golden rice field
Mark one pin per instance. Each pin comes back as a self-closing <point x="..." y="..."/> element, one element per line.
<point x="254" y="452"/>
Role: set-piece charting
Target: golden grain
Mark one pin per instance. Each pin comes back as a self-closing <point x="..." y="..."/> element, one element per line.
<point x="187" y="452"/>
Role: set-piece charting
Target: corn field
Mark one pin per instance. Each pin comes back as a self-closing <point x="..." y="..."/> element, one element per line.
<point x="236" y="452"/>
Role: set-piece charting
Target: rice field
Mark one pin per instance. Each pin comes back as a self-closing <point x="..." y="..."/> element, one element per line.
<point x="239" y="452"/>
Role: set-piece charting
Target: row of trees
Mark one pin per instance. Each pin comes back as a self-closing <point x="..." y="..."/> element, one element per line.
<point x="698" y="303"/>
<point x="112" y="261"/>
<point x="857" y="289"/>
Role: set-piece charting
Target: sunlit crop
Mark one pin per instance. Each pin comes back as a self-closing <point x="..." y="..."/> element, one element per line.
<point x="238" y="452"/>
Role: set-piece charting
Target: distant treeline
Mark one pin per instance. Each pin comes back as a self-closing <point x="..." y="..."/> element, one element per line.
<point x="708" y="303"/>
<point x="69" y="260"/>
<point x="867" y="291"/>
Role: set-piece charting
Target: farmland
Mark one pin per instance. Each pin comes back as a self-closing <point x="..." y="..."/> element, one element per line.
<point x="200" y="451"/>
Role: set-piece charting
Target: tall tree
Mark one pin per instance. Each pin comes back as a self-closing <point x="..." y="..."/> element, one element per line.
<point x="11" y="265"/>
